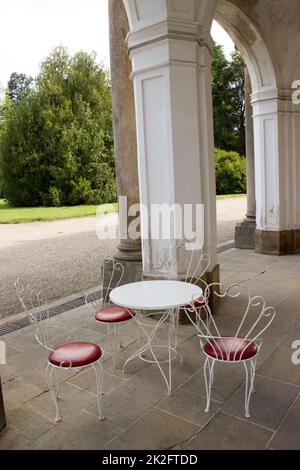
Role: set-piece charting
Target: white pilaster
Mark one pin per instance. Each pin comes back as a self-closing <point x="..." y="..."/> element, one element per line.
<point x="171" y="63"/>
<point x="277" y="168"/>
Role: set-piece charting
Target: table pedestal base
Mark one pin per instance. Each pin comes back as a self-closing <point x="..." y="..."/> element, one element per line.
<point x="170" y="316"/>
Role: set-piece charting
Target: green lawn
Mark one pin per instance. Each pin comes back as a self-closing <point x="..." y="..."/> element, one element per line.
<point x="14" y="215"/>
<point x="227" y="196"/>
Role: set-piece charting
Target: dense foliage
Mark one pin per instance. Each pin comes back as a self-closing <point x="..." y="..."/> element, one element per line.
<point x="228" y="101"/>
<point x="19" y="86"/>
<point x="230" y="172"/>
<point x="56" y="140"/>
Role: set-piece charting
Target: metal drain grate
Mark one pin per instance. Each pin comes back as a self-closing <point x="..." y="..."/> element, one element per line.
<point x="15" y="325"/>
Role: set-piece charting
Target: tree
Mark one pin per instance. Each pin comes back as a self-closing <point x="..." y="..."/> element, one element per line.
<point x="228" y="101"/>
<point x="235" y="77"/>
<point x="57" y="146"/>
<point x="19" y="86"/>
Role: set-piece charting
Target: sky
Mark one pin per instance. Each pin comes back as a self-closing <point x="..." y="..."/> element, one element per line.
<point x="30" y="29"/>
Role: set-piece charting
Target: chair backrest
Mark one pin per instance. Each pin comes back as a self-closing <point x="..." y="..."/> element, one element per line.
<point x="113" y="272"/>
<point x="197" y="267"/>
<point x="36" y="308"/>
<point x="255" y="318"/>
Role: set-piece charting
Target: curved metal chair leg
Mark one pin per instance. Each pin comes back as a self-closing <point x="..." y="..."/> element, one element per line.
<point x="53" y="392"/>
<point x="56" y="385"/>
<point x="174" y="327"/>
<point x="208" y="378"/>
<point x="253" y="371"/>
<point x="212" y="374"/>
<point x="114" y="346"/>
<point x="250" y="375"/>
<point x="99" y="385"/>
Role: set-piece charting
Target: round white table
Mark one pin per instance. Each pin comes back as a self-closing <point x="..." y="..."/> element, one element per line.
<point x="164" y="296"/>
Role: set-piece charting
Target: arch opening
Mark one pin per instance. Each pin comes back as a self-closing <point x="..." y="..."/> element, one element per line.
<point x="250" y="44"/>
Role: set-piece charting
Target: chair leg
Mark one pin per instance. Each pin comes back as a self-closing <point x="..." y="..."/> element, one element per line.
<point x="53" y="391"/>
<point x="56" y="385"/>
<point x="99" y="385"/>
<point x="249" y="387"/>
<point x="253" y="371"/>
<point x="208" y="378"/>
<point x="115" y="345"/>
<point x="174" y="320"/>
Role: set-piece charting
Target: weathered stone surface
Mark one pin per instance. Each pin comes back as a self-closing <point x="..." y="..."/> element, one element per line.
<point x="227" y="432"/>
<point x="245" y="235"/>
<point x="288" y="436"/>
<point x="268" y="405"/>
<point x="277" y="243"/>
<point x="155" y="430"/>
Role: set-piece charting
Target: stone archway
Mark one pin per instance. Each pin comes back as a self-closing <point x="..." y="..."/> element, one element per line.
<point x="170" y="50"/>
<point x="266" y="33"/>
<point x="260" y="81"/>
<point x="249" y="42"/>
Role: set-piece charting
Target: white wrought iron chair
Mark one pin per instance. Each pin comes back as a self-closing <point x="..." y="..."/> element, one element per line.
<point x="70" y="354"/>
<point x="197" y="268"/>
<point x="104" y="312"/>
<point x="194" y="272"/>
<point x="244" y="344"/>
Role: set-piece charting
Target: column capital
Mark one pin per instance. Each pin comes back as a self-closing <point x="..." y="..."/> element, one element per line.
<point x="170" y="29"/>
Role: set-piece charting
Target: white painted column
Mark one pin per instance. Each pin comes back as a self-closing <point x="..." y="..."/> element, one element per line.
<point x="245" y="230"/>
<point x="172" y="80"/>
<point x="251" y="203"/>
<point x="277" y="171"/>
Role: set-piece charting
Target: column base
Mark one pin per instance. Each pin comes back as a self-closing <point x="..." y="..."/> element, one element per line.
<point x="2" y="413"/>
<point x="279" y="243"/>
<point x="133" y="272"/>
<point x="129" y="251"/>
<point x="245" y="234"/>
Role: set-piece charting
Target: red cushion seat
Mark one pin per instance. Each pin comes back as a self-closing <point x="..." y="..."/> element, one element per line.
<point x="77" y="354"/>
<point x="197" y="303"/>
<point x="230" y="349"/>
<point x="114" y="314"/>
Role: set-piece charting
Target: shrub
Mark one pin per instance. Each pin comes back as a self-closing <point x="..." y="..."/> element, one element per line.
<point x="230" y="172"/>
<point x="53" y="198"/>
<point x="56" y="140"/>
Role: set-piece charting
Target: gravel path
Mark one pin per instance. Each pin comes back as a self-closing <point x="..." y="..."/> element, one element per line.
<point x="229" y="212"/>
<point x="65" y="257"/>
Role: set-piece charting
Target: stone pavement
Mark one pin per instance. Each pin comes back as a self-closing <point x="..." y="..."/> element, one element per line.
<point x="139" y="415"/>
